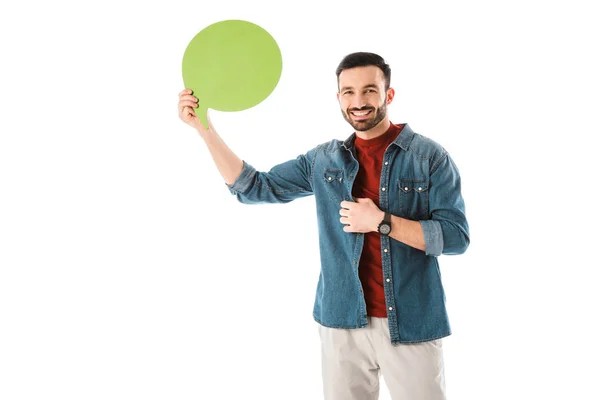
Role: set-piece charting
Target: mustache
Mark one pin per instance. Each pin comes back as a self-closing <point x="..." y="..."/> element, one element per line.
<point x="361" y="109"/>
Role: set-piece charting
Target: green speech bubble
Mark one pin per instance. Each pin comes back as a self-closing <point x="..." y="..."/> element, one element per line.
<point x="231" y="65"/>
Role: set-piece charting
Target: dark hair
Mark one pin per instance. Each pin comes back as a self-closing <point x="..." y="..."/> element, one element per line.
<point x="363" y="59"/>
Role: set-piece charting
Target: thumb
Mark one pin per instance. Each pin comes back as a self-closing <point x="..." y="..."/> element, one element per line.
<point x="362" y="200"/>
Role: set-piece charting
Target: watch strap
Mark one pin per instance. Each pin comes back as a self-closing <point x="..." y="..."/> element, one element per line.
<point x="387" y="218"/>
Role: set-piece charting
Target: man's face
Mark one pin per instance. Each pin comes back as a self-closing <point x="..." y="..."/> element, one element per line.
<point x="362" y="97"/>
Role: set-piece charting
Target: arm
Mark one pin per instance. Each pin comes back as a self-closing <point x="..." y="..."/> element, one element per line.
<point x="226" y="161"/>
<point x="230" y="166"/>
<point x="447" y="231"/>
<point x="283" y="183"/>
<point x="364" y="216"/>
<point x="407" y="231"/>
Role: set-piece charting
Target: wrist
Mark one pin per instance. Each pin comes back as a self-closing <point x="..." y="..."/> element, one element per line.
<point x="380" y="216"/>
<point x="207" y="136"/>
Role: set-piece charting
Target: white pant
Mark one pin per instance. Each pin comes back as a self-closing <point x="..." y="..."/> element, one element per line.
<point x="352" y="360"/>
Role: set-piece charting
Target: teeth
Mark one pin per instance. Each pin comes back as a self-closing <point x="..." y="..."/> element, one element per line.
<point x="361" y="113"/>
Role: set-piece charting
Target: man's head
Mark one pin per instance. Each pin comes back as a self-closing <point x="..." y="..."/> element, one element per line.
<point x="364" y="89"/>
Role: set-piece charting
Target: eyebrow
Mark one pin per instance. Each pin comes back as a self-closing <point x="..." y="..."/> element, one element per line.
<point x="370" y="85"/>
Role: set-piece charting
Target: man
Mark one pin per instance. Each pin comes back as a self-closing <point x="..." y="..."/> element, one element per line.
<point x="389" y="203"/>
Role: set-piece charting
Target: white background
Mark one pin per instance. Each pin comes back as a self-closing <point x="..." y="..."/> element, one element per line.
<point x="128" y="271"/>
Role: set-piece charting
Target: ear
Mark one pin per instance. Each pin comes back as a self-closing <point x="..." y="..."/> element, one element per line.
<point x="390" y="95"/>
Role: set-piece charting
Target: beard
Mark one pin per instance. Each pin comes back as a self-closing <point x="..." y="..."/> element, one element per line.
<point x="377" y="115"/>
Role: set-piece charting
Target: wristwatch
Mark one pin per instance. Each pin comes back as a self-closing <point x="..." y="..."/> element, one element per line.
<point x="385" y="226"/>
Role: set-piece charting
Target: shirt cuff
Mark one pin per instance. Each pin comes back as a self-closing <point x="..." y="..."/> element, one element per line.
<point x="434" y="239"/>
<point x="244" y="180"/>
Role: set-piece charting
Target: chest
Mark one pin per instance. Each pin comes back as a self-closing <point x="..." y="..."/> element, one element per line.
<point x="396" y="180"/>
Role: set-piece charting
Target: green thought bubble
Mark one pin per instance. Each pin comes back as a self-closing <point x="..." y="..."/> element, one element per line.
<point x="231" y="65"/>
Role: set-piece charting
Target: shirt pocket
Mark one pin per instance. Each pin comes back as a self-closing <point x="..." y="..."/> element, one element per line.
<point x="413" y="197"/>
<point x="334" y="184"/>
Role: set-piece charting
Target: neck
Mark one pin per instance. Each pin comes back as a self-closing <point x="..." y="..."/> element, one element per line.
<point x="376" y="131"/>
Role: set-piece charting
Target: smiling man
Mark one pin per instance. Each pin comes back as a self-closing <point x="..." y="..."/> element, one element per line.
<point x="357" y="103"/>
<point x="389" y="203"/>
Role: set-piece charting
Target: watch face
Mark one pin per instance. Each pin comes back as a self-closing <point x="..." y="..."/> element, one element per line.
<point x="385" y="229"/>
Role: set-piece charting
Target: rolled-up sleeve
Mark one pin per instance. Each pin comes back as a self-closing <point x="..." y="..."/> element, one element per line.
<point x="283" y="183"/>
<point x="434" y="239"/>
<point x="244" y="181"/>
<point x="447" y="230"/>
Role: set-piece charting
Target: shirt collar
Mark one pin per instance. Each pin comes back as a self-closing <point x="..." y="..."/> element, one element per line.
<point x="402" y="140"/>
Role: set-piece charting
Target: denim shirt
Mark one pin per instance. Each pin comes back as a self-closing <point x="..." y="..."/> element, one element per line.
<point x="419" y="181"/>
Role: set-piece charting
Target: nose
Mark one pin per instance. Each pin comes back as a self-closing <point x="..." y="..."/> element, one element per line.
<point x="359" y="101"/>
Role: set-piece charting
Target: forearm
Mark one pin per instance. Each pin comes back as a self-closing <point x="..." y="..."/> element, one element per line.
<point x="408" y="232"/>
<point x="227" y="162"/>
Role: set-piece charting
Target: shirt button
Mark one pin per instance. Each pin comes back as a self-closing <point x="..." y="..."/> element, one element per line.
<point x="329" y="178"/>
<point x="390" y="308"/>
<point x="383" y="189"/>
<point x="385" y="250"/>
<point x="406" y="188"/>
<point x="420" y="189"/>
<point x="386" y="163"/>
<point x="387" y="280"/>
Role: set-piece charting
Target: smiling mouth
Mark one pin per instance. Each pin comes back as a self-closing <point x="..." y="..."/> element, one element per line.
<point x="361" y="114"/>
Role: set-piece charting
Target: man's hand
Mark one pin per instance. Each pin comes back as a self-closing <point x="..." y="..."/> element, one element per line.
<point x="361" y="216"/>
<point x="186" y="106"/>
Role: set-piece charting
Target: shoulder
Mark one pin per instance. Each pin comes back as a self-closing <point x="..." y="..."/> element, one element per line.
<point x="427" y="148"/>
<point x="332" y="145"/>
<point x="329" y="146"/>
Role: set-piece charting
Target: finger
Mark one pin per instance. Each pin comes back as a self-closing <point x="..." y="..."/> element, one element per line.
<point x="188" y="97"/>
<point x="187" y="111"/>
<point x="188" y="103"/>
<point x="345" y="204"/>
<point x="345" y="220"/>
<point x="189" y="107"/>
<point x="185" y="91"/>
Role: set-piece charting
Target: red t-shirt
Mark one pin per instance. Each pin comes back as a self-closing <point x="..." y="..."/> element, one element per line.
<point x="370" y="157"/>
